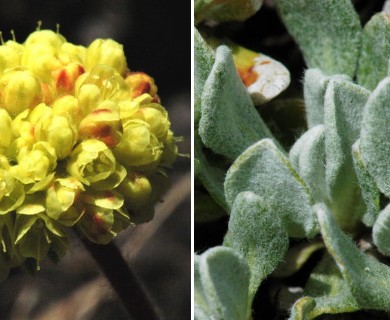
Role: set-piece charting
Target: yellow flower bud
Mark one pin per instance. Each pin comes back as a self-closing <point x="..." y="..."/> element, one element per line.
<point x="10" y="55"/>
<point x="35" y="165"/>
<point x="68" y="106"/>
<point x="140" y="83"/>
<point x="104" y="125"/>
<point x="127" y="108"/>
<point x="93" y="163"/>
<point x="45" y="37"/>
<point x="23" y="133"/>
<point x="18" y="122"/>
<point x="136" y="189"/>
<point x="157" y="118"/>
<point x="88" y="96"/>
<point x="159" y="184"/>
<point x="96" y="224"/>
<point x="65" y="78"/>
<point x="70" y="53"/>
<point x="59" y="131"/>
<point x="41" y="60"/>
<point x="111" y="84"/>
<point x="138" y="146"/>
<point x="101" y="223"/>
<point x="107" y="52"/>
<point x="40" y="113"/>
<point x="20" y="90"/>
<point x="60" y="196"/>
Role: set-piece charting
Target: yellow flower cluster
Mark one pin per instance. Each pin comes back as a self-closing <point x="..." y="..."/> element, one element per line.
<point x="83" y="143"/>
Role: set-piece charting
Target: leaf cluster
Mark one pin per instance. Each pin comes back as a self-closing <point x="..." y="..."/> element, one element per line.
<point x="330" y="185"/>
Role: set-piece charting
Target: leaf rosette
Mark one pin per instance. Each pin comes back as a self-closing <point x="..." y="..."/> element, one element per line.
<point x="330" y="188"/>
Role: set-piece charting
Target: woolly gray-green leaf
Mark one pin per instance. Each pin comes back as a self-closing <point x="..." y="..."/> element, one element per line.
<point x="368" y="279"/>
<point x="374" y="140"/>
<point x="203" y="62"/>
<point x="211" y="176"/>
<point x="326" y="292"/>
<point x="257" y="233"/>
<point x="231" y="10"/>
<point x="368" y="188"/>
<point x="344" y="103"/>
<point x="308" y="157"/>
<point x="229" y="122"/>
<point x="199" y="295"/>
<point x="328" y="32"/>
<point x="314" y="88"/>
<point x="381" y="231"/>
<point x="329" y="290"/>
<point x="264" y="170"/>
<point x="200" y="313"/>
<point x="302" y="308"/>
<point x="225" y="279"/>
<point x="375" y="52"/>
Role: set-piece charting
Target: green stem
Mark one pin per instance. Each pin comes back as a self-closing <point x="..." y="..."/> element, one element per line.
<point x="123" y="280"/>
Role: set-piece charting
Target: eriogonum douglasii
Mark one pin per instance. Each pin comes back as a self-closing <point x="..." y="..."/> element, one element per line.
<point x="84" y="143"/>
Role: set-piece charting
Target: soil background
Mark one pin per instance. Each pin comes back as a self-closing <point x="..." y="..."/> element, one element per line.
<point x="156" y="39"/>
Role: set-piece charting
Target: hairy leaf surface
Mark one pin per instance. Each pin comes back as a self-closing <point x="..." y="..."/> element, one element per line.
<point x="368" y="279"/>
<point x="264" y="170"/>
<point x="224" y="276"/>
<point x="328" y="33"/>
<point x="229" y="122"/>
<point x="203" y="62"/>
<point x="381" y="231"/>
<point x="257" y="233"/>
<point x="375" y="51"/>
<point x="374" y="141"/>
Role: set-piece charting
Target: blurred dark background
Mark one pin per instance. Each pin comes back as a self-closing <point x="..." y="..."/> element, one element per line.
<point x="157" y="40"/>
<point x="156" y="34"/>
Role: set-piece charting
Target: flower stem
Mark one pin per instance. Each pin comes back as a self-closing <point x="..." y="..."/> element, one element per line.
<point x="123" y="280"/>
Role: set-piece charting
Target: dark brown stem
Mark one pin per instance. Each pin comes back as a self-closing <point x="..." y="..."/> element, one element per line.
<point x="123" y="280"/>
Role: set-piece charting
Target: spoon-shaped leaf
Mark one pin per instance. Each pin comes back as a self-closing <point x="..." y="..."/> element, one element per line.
<point x="368" y="279"/>
<point x="375" y="133"/>
<point x="308" y="157"/>
<point x="368" y="188"/>
<point x="229" y="122"/>
<point x="224" y="277"/>
<point x="314" y="88"/>
<point x="328" y="32"/>
<point x="375" y="52"/>
<point x="203" y="62"/>
<point x="257" y="233"/>
<point x="264" y="170"/>
<point x="344" y="103"/>
<point x="211" y="176"/>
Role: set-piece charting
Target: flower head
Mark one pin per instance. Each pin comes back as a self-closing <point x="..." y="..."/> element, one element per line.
<point x="82" y="141"/>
